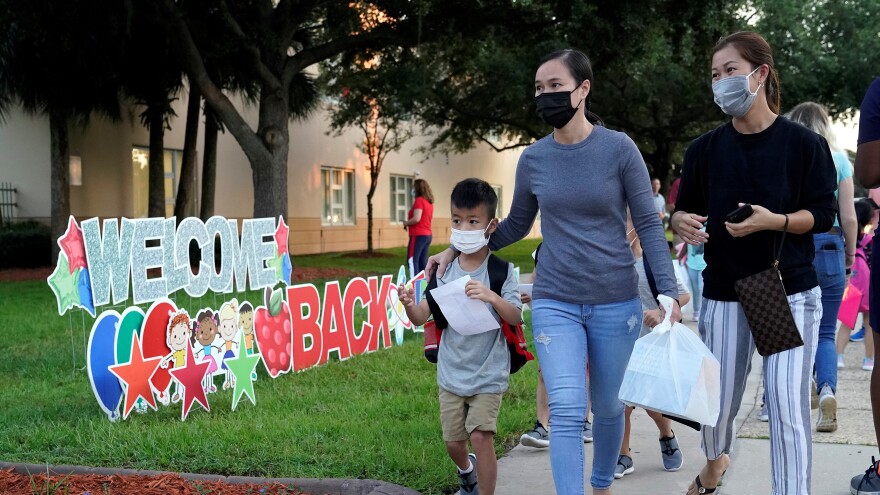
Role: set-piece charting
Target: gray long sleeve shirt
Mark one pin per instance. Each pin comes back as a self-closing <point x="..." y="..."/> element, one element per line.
<point x="582" y="191"/>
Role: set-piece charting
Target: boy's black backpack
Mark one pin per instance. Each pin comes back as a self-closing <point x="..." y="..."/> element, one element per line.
<point x="516" y="341"/>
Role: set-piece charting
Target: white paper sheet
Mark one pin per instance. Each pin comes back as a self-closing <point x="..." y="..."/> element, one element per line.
<point x="467" y="316"/>
<point x="525" y="289"/>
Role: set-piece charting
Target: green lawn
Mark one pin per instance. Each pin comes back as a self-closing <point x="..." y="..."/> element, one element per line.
<point x="373" y="416"/>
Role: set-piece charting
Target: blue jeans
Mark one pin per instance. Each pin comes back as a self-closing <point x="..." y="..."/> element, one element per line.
<point x="830" y="268"/>
<point x="696" y="277"/>
<point x="567" y="337"/>
<point x="418" y="251"/>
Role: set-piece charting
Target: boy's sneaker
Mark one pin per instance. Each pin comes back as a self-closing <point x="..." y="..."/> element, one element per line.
<point x="672" y="458"/>
<point x="624" y="466"/>
<point x="538" y="438"/>
<point x="763" y="415"/>
<point x="588" y="432"/>
<point x="868" y="483"/>
<point x="840" y="363"/>
<point x="857" y="336"/>
<point x="827" y="411"/>
<point x="469" y="480"/>
<point x="868" y="364"/>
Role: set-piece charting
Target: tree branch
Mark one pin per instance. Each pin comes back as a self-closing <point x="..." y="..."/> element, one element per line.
<point x="310" y="56"/>
<point x="224" y="109"/>
<point x="266" y="75"/>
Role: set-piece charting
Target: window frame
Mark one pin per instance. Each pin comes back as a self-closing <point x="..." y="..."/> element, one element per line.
<point x="347" y="205"/>
<point x="394" y="209"/>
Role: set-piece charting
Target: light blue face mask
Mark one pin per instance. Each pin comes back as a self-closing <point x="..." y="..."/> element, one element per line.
<point x="733" y="95"/>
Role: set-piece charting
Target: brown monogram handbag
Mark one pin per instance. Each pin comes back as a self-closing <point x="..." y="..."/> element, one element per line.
<point x="765" y="304"/>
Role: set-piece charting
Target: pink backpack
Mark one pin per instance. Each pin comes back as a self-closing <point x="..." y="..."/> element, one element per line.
<point x="861" y="272"/>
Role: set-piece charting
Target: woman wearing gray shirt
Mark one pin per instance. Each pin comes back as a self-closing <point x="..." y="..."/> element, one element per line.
<point x="585" y="307"/>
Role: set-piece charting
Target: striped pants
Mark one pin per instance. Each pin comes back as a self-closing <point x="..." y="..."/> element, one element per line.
<point x="724" y="329"/>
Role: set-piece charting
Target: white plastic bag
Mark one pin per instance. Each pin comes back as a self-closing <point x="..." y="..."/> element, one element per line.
<point x="671" y="371"/>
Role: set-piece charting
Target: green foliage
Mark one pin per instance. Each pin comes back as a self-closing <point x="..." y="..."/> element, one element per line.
<point x="372" y="416"/>
<point x="25" y="245"/>
<point x="827" y="51"/>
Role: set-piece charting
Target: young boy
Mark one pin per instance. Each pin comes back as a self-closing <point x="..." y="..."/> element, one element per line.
<point x="472" y="370"/>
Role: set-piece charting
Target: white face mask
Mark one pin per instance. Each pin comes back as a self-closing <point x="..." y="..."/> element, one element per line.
<point x="733" y="94"/>
<point x="468" y="241"/>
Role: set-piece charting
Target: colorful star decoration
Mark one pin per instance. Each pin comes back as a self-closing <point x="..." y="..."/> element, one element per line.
<point x="281" y="235"/>
<point x="242" y="367"/>
<point x="135" y="376"/>
<point x="73" y="246"/>
<point x="190" y="377"/>
<point x="64" y="284"/>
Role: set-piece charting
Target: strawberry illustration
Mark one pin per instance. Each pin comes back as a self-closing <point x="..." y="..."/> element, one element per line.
<point x="272" y="329"/>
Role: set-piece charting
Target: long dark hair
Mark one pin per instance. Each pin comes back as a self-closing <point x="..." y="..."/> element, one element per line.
<point x="423" y="189"/>
<point x="756" y="51"/>
<point x="578" y="64"/>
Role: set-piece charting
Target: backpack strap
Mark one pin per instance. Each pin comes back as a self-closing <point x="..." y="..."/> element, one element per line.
<point x="498" y="269"/>
<point x="439" y="320"/>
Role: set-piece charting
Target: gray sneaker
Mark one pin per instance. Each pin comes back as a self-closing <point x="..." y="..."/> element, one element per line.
<point x="672" y="458"/>
<point x="469" y="480"/>
<point x="868" y="483"/>
<point x="763" y="415"/>
<point x="624" y="466"/>
<point x="827" y="411"/>
<point x="538" y="438"/>
<point x="588" y="432"/>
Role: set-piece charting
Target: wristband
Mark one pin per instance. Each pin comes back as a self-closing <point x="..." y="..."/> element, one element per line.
<point x="849" y="271"/>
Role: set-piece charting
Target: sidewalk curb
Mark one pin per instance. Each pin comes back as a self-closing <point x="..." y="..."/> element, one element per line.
<point x="315" y="486"/>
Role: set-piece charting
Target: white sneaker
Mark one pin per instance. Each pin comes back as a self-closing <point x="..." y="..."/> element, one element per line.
<point x="763" y="415"/>
<point x="827" y="421"/>
<point x="868" y="364"/>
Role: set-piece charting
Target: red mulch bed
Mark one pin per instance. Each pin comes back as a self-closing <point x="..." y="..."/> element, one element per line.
<point x="367" y="255"/>
<point x="299" y="274"/>
<point x="18" y="484"/>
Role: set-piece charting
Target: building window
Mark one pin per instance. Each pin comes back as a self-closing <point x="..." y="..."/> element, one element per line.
<point x="338" y="185"/>
<point x="140" y="162"/>
<point x="499" y="212"/>
<point x="401" y="197"/>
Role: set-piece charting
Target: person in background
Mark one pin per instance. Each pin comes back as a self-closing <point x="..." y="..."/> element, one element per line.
<point x="651" y="317"/>
<point x="835" y="254"/>
<point x="539" y="436"/>
<point x="419" y="225"/>
<point x="860" y="278"/>
<point x="659" y="201"/>
<point x="867" y="171"/>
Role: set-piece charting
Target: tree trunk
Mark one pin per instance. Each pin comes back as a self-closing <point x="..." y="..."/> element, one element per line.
<point x="60" y="176"/>
<point x="185" y="188"/>
<point x="209" y="165"/>
<point x="374" y="179"/>
<point x="156" y="201"/>
<point x="270" y="174"/>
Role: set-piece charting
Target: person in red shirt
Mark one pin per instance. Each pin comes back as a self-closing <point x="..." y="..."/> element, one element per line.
<point x="419" y="225"/>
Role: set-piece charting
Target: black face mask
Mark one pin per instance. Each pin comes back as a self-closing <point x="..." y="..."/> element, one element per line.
<point x="555" y="108"/>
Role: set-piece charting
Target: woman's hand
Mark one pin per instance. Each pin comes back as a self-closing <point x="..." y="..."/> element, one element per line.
<point x="652" y="317"/>
<point x="440" y="261"/>
<point x="688" y="226"/>
<point x="760" y="219"/>
<point x="525" y="298"/>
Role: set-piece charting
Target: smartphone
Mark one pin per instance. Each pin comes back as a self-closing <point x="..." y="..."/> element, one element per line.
<point x="740" y="214"/>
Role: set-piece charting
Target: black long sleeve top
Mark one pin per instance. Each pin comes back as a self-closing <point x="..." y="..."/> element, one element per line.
<point x="784" y="168"/>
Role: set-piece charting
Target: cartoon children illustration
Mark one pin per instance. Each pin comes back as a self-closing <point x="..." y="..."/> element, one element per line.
<point x="228" y="330"/>
<point x="246" y="321"/>
<point x="205" y="332"/>
<point x="178" y="333"/>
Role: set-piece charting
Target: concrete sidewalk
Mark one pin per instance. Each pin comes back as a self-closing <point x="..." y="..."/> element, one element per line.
<point x="837" y="457"/>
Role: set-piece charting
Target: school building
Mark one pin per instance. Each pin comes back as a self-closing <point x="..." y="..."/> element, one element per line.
<point x="328" y="178"/>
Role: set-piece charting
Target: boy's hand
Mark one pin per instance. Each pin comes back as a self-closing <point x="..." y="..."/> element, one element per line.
<point x="476" y="290"/>
<point x="652" y="317"/>
<point x="406" y="296"/>
<point x="526" y="299"/>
